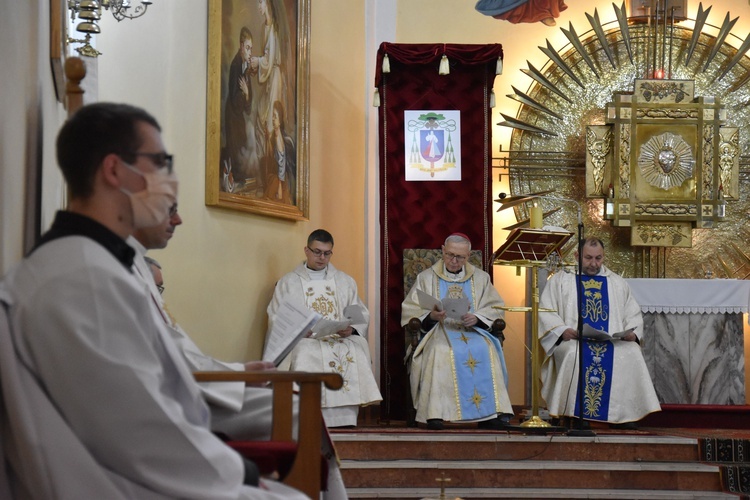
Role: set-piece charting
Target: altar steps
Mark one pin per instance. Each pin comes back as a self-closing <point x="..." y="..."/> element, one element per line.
<point x="406" y="464"/>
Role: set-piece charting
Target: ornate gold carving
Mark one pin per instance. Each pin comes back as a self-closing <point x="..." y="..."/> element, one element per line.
<point x="708" y="156"/>
<point x="729" y="152"/>
<point x="662" y="234"/>
<point x="661" y="113"/>
<point x="668" y="209"/>
<point x="663" y="91"/>
<point x="625" y="160"/>
<point x="719" y="77"/>
<point x="597" y="151"/>
<point x="666" y="160"/>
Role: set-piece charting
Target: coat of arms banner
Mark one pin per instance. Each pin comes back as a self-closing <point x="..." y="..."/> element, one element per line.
<point x="432" y="151"/>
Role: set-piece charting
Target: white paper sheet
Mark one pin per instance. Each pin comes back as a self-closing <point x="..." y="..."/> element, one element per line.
<point x="291" y="324"/>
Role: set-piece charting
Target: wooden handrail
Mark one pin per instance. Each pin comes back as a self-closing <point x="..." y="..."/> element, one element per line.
<point x="305" y="472"/>
<point x="75" y="71"/>
<point x="331" y="380"/>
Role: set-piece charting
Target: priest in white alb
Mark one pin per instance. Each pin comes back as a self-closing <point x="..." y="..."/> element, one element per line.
<point x="319" y="286"/>
<point x="457" y="370"/>
<point x="617" y="385"/>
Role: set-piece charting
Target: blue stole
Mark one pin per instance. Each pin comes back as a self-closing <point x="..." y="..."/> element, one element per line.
<point x="474" y="381"/>
<point x="598" y="355"/>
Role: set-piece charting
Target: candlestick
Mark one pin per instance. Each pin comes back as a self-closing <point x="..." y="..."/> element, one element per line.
<point x="535" y="218"/>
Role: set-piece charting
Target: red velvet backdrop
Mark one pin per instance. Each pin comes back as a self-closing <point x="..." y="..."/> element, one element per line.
<point x="421" y="214"/>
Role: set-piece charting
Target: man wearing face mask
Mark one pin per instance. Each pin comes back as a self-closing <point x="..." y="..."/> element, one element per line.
<point x="128" y="418"/>
<point x="238" y="411"/>
<point x="618" y="385"/>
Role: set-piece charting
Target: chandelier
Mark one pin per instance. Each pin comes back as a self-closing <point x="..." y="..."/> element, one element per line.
<point x="90" y="11"/>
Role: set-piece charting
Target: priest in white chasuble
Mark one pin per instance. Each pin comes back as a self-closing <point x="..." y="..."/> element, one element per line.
<point x="457" y="370"/>
<point x="617" y="385"/>
<point x="320" y="287"/>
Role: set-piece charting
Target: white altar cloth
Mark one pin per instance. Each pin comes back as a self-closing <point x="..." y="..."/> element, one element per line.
<point x="678" y="296"/>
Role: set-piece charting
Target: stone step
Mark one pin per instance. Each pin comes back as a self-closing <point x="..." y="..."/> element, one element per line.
<point x="519" y="474"/>
<point x="406" y="464"/>
<point x="503" y="446"/>
<point x="535" y="493"/>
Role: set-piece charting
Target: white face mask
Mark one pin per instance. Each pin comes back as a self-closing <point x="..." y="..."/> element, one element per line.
<point x="151" y="205"/>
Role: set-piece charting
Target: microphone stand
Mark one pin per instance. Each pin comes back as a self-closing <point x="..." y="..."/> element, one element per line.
<point x="579" y="430"/>
<point x="515" y="200"/>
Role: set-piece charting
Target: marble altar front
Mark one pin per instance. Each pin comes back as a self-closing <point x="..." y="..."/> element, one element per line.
<point x="693" y="339"/>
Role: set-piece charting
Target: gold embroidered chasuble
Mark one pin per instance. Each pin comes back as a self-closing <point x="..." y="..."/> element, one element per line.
<point x="437" y="389"/>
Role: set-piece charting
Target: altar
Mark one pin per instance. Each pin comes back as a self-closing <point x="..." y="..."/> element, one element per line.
<point x="694" y="345"/>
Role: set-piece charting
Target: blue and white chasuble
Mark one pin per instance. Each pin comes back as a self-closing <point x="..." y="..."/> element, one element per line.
<point x="598" y="355"/>
<point x="474" y="380"/>
<point x="457" y="373"/>
<point x="616" y="393"/>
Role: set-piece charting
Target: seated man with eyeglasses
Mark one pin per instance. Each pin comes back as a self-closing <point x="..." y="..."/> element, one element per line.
<point x="99" y="402"/>
<point x="458" y="369"/>
<point x="319" y="286"/>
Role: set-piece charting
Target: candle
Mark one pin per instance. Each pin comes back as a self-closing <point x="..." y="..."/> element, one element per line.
<point x="535" y="218"/>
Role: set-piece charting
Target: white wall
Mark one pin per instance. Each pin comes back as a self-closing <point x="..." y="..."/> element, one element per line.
<point x="221" y="266"/>
<point x="30" y="117"/>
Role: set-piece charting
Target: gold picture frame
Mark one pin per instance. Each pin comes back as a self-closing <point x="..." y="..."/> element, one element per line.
<point x="257" y="156"/>
<point x="57" y="41"/>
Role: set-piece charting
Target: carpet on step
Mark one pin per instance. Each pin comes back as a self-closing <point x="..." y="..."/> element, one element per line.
<point x="722" y="449"/>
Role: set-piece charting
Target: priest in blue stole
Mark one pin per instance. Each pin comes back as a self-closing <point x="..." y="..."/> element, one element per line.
<point x="617" y="385"/>
<point x="457" y="370"/>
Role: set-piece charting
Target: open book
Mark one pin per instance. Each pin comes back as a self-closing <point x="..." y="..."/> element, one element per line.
<point x="454" y="308"/>
<point x="292" y="323"/>
<point x="590" y="332"/>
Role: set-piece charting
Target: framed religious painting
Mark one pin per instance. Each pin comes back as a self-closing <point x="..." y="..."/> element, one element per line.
<point x="57" y="40"/>
<point x="257" y="119"/>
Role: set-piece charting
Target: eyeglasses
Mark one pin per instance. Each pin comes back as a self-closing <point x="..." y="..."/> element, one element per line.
<point x="160" y="288"/>
<point x="451" y="256"/>
<point x="173" y="210"/>
<point x="161" y="160"/>
<point x="318" y="252"/>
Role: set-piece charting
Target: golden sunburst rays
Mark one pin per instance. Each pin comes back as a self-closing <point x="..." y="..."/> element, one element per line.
<point x="546" y="148"/>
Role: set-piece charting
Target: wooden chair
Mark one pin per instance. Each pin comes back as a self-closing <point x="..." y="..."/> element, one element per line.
<point x="415" y="261"/>
<point x="306" y="469"/>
